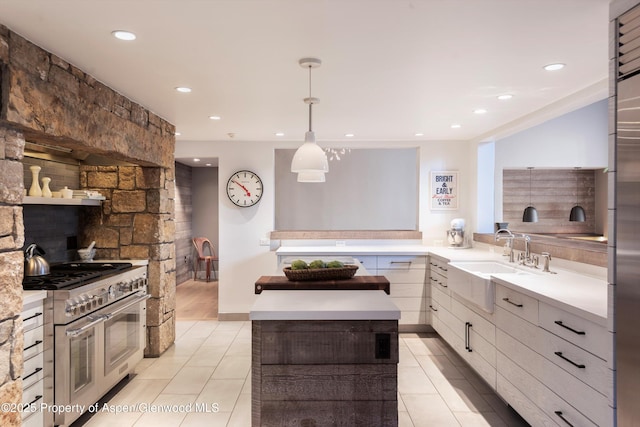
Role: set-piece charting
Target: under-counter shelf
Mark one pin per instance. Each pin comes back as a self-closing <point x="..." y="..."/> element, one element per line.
<point x="31" y="200"/>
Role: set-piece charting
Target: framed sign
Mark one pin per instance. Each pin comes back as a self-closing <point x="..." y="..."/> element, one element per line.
<point x="444" y="190"/>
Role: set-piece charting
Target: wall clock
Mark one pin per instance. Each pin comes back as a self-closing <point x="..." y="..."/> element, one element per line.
<point x="244" y="188"/>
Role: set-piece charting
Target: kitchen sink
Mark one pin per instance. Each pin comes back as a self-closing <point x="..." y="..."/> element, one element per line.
<point x="472" y="280"/>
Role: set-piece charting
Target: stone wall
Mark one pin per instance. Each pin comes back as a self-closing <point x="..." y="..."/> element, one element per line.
<point x="11" y="272"/>
<point x="45" y="99"/>
<point x="136" y="222"/>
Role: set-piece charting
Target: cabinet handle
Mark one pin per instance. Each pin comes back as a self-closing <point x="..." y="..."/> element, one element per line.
<point x="31" y="317"/>
<point x="511" y="302"/>
<point x="38" y="397"/>
<point x="442" y="268"/>
<point x="559" y="323"/>
<point x="32" y="373"/>
<point x="433" y="308"/>
<point x="38" y="342"/>
<point x="443" y="284"/>
<point x="467" y="343"/>
<point x="559" y="413"/>
<point x="577" y="365"/>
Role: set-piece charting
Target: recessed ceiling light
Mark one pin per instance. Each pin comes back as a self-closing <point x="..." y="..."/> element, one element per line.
<point x="419" y="134"/>
<point x="456" y="126"/>
<point x="479" y="111"/>
<point x="349" y="135"/>
<point x="505" y="96"/>
<point x="123" y="35"/>
<point x="208" y="164"/>
<point x="183" y="89"/>
<point x="214" y="117"/>
<point x="196" y="160"/>
<point x="279" y="133"/>
<point x="177" y="134"/>
<point x="554" y="67"/>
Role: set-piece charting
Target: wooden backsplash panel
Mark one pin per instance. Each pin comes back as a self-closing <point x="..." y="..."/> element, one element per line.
<point x="553" y="194"/>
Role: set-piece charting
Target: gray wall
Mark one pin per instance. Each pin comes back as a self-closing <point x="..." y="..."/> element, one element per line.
<point x="183" y="218"/>
<point x="367" y="189"/>
<point x="205" y="204"/>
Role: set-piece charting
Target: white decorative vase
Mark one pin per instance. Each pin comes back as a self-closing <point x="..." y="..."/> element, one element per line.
<point x="46" y="191"/>
<point x="35" y="189"/>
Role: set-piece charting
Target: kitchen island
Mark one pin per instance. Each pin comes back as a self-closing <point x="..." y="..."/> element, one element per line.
<point x="324" y="357"/>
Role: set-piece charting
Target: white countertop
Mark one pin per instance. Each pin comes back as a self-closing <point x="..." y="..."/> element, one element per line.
<point x="32" y="296"/>
<point x="324" y="305"/>
<point x="353" y="250"/>
<point x="585" y="294"/>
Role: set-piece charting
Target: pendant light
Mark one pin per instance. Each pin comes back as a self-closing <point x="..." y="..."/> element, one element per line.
<point x="310" y="161"/>
<point x="530" y="213"/>
<point x="577" y="212"/>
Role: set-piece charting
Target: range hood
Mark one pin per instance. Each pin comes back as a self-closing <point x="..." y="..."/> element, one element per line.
<point x="70" y="156"/>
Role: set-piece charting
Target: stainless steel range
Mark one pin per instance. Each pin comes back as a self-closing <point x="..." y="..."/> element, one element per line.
<point x="99" y="329"/>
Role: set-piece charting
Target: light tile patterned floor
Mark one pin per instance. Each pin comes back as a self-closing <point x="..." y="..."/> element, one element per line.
<point x="204" y="380"/>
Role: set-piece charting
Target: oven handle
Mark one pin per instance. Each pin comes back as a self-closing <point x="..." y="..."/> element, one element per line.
<point x="95" y="319"/>
<point x="143" y="297"/>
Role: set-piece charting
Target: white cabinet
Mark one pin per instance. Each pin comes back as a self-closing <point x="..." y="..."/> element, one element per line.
<point x="409" y="289"/>
<point x="37" y="373"/>
<point x="554" y="374"/>
<point x="470" y="331"/>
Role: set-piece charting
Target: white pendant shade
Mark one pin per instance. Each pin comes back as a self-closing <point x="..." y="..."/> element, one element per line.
<point x="311" y="177"/>
<point x="309" y="158"/>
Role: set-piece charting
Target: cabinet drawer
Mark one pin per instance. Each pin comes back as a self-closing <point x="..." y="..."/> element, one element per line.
<point x="517" y="303"/>
<point x="413" y="318"/>
<point x="578" y="362"/>
<point x="409" y="303"/>
<point x="33" y="419"/>
<point x="403" y="276"/>
<point x="480" y="325"/>
<point x="537" y="404"/>
<point x="550" y="382"/>
<point x="441" y="296"/>
<point x="369" y="262"/>
<point x="577" y="330"/>
<point x="32" y="316"/>
<point x="408" y="262"/>
<point x="438" y="279"/>
<point x="32" y="395"/>
<point x="33" y="370"/>
<point x="439" y="266"/>
<point x="417" y="290"/>
<point x="33" y="342"/>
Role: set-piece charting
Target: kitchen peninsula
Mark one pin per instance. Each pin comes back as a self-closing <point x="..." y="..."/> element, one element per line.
<point x="322" y="356"/>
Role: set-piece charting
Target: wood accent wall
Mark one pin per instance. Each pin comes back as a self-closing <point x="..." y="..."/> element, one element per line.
<point x="184" y="223"/>
<point x="553" y="194"/>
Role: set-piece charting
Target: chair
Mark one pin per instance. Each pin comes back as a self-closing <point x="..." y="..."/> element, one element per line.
<point x="207" y="254"/>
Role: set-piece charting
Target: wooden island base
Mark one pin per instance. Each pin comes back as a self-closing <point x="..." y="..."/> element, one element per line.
<point x="324" y="373"/>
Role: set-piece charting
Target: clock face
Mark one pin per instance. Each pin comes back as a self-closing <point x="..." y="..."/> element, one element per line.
<point x="244" y="188"/>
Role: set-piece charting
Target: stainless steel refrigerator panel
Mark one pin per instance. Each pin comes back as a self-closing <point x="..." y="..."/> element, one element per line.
<point x="627" y="303"/>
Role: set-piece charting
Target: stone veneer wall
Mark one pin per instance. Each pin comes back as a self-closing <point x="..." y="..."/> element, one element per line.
<point x="11" y="272"/>
<point x="136" y="222"/>
<point x="45" y="99"/>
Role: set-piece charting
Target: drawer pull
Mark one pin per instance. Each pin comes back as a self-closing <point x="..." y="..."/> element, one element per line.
<point x="32" y="317"/>
<point x="38" y="397"/>
<point x="467" y="343"/>
<point x="577" y="365"/>
<point x="559" y="323"/>
<point x="442" y="268"/>
<point x="38" y="342"/>
<point x="401" y="262"/>
<point x="32" y="373"/>
<point x="444" y="285"/>
<point x="433" y="308"/>
<point x="511" y="302"/>
<point x="559" y="413"/>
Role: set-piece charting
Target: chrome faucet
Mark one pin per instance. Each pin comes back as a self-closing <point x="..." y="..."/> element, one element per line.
<point x="509" y="238"/>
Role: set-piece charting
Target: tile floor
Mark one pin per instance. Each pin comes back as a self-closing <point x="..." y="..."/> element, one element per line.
<point x="204" y="380"/>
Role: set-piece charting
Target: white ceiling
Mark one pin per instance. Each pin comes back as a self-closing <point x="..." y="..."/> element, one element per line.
<point x="391" y="68"/>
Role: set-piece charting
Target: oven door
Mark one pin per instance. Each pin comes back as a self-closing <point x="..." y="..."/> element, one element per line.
<point x="124" y="338"/>
<point x="77" y="361"/>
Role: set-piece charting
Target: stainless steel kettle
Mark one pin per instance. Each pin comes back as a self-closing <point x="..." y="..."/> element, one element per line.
<point x="35" y="264"/>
